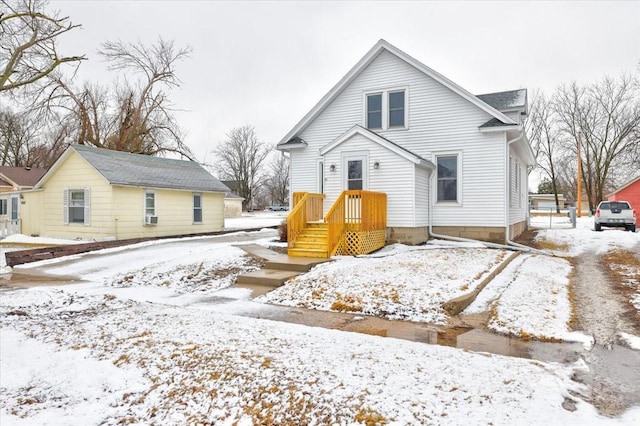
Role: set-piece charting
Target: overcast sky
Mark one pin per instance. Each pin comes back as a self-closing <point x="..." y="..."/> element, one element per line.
<point x="268" y="63"/>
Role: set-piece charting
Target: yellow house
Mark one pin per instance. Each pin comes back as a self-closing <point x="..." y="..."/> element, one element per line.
<point x="97" y="194"/>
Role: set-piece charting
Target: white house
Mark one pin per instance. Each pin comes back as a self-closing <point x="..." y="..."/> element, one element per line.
<point x="449" y="162"/>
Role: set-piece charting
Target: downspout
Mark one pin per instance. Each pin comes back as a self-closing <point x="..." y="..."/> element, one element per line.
<point x="512" y="246"/>
<point x="506" y="201"/>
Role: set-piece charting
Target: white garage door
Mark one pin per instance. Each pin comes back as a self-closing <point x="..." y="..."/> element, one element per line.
<point x="547" y="205"/>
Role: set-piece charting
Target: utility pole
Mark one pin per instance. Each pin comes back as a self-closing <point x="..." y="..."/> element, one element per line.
<point x="579" y="198"/>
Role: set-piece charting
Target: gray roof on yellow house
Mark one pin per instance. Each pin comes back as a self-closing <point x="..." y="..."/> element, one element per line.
<point x="123" y="168"/>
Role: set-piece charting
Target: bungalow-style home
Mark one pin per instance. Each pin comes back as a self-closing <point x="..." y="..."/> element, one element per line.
<point x="546" y="201"/>
<point x="630" y="192"/>
<point x="14" y="180"/>
<point x="398" y="152"/>
<point x="92" y="194"/>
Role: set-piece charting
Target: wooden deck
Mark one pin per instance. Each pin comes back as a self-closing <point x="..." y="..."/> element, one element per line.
<point x="355" y="224"/>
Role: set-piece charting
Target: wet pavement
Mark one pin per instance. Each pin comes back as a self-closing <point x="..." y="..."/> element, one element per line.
<point x="612" y="376"/>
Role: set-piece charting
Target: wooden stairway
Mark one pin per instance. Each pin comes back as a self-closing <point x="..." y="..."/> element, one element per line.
<point x="313" y="241"/>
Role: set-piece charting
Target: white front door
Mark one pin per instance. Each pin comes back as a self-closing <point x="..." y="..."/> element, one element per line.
<point x="356" y="175"/>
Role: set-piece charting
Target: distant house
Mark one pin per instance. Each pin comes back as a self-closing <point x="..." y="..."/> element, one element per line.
<point x="546" y="201"/>
<point x="630" y="192"/>
<point x="232" y="205"/>
<point x="409" y="149"/>
<point x="13" y="181"/>
<point x="92" y="194"/>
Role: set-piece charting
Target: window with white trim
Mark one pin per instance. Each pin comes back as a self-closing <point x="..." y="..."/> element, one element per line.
<point x="197" y="208"/>
<point x="386" y="109"/>
<point x="149" y="203"/>
<point x="448" y="178"/>
<point x="77" y="206"/>
<point x="3" y="207"/>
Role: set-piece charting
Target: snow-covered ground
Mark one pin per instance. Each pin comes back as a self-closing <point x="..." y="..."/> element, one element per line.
<point x="138" y="342"/>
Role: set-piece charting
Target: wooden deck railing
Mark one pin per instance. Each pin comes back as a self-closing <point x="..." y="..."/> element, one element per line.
<point x="307" y="207"/>
<point x="355" y="211"/>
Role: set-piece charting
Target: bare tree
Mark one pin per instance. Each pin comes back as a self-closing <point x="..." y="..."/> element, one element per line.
<point x="29" y="37"/>
<point x="19" y="138"/>
<point x="278" y="180"/>
<point x="543" y="133"/>
<point x="135" y="116"/>
<point x="607" y="115"/>
<point x="240" y="159"/>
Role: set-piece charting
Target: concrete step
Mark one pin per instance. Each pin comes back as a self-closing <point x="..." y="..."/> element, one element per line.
<point x="268" y="277"/>
<point x="308" y="253"/>
<point x="298" y="264"/>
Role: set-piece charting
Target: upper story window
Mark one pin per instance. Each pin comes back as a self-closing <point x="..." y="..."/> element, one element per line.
<point x="374" y="111"/>
<point x="386" y="109"/>
<point x="396" y="109"/>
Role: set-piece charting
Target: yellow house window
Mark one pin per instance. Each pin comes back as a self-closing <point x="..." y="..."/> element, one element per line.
<point x="197" y="208"/>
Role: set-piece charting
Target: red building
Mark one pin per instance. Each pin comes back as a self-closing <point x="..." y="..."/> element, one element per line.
<point x="628" y="192"/>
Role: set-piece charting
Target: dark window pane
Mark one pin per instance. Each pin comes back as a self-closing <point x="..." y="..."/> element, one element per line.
<point x="396" y="100"/>
<point x="196" y="201"/>
<point x="448" y="178"/>
<point x="76" y="214"/>
<point x="374" y="103"/>
<point x="396" y="118"/>
<point x="355" y="184"/>
<point x="396" y="109"/>
<point x="374" y="111"/>
<point x="197" y="215"/>
<point x="355" y="169"/>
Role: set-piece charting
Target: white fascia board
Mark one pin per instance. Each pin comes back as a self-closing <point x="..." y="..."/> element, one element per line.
<point x="54" y="168"/>
<point x="447" y="83"/>
<point x="335" y="91"/>
<point x="364" y="62"/>
<point x="496" y="129"/>
<point x="377" y="139"/>
<point x="290" y="146"/>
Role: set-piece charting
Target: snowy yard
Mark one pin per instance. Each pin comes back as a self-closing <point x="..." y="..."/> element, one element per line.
<point x="138" y="342"/>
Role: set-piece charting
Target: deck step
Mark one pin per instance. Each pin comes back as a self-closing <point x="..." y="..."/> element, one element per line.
<point x="308" y="252"/>
<point x="269" y="277"/>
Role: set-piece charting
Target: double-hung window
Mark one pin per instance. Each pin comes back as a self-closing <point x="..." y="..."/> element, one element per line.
<point x="197" y="208"/>
<point x="77" y="206"/>
<point x="448" y="171"/>
<point x="149" y="203"/>
<point x="386" y="109"/>
<point x="374" y="111"/>
<point x="3" y="207"/>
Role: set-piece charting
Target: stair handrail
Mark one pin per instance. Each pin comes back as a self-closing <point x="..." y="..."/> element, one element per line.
<point x="307" y="207"/>
<point x="335" y="220"/>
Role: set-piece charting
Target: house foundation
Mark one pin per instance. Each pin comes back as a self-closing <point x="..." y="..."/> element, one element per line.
<point x="419" y="235"/>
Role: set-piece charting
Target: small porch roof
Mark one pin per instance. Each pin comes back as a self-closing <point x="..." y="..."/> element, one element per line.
<point x="384" y="142"/>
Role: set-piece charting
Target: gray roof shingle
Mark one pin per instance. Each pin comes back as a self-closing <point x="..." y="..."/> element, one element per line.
<point x="504" y="101"/>
<point x="123" y="168"/>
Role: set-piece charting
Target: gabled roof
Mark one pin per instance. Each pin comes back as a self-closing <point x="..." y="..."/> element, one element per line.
<point x="123" y="168"/>
<point x="512" y="100"/>
<point x="20" y="176"/>
<point x="631" y="182"/>
<point x="375" y="51"/>
<point x="374" y="137"/>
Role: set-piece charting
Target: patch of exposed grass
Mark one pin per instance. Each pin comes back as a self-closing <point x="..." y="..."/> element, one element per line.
<point x="545" y="244"/>
<point x="623" y="268"/>
<point x="370" y="417"/>
<point x="346" y="303"/>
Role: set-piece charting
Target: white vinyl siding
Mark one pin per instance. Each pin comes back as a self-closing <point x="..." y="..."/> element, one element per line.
<point x="394" y="176"/>
<point x="438" y="121"/>
<point x="518" y="189"/>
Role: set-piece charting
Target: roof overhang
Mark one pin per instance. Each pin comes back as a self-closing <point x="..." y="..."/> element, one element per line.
<point x="376" y="138"/>
<point x="366" y="60"/>
<point x="294" y="143"/>
<point x="631" y="182"/>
